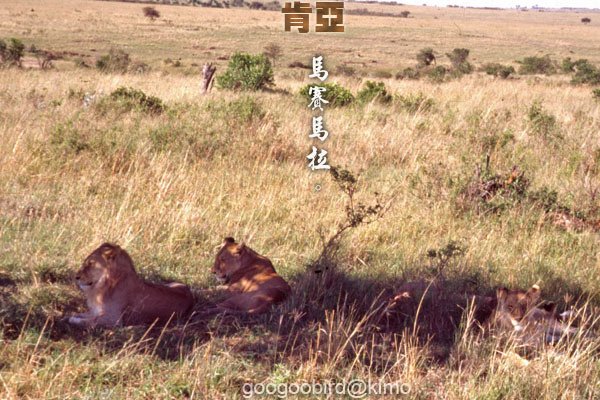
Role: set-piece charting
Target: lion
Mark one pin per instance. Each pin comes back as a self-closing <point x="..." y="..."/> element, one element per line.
<point x="513" y="306"/>
<point x="250" y="277"/>
<point x="533" y="321"/>
<point x="117" y="296"/>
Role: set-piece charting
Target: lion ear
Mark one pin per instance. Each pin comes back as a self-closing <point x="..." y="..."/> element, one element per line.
<point x="229" y="239"/>
<point x="240" y="248"/>
<point x="110" y="251"/>
<point x="534" y="293"/>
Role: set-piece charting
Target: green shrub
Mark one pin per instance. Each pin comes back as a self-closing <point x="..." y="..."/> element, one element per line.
<point x="12" y="53"/>
<point x="247" y="72"/>
<point x="425" y="57"/>
<point x="596" y="93"/>
<point x="499" y="70"/>
<point x="373" y="91"/>
<point x="335" y="94"/>
<point x="437" y="74"/>
<point x="115" y="61"/>
<point x="66" y="139"/>
<point x="546" y="198"/>
<point x="541" y="121"/>
<point x="128" y="99"/>
<point x="408" y="73"/>
<point x="415" y="102"/>
<point x="458" y="58"/>
<point x="537" y="65"/>
<point x="239" y="111"/>
<point x="586" y="73"/>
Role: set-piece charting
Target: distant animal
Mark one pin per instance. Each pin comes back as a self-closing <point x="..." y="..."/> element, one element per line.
<point x="116" y="295"/>
<point x="250" y="278"/>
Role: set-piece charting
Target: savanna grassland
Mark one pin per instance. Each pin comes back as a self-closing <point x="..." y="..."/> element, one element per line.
<point x="169" y="186"/>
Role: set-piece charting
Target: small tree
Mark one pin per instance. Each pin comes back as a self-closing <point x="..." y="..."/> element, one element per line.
<point x="499" y="70"/>
<point x="12" y="53"/>
<point x="458" y="58"/>
<point x="151" y="13"/>
<point x="586" y="20"/>
<point x="247" y="72"/>
<point x="273" y="51"/>
<point x="373" y="91"/>
<point x="537" y="65"/>
<point x="425" y="57"/>
<point x="115" y="61"/>
<point x="404" y="14"/>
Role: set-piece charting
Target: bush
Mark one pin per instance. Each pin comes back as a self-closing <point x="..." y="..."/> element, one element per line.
<point x="134" y="99"/>
<point x="115" y="61"/>
<point x="151" y="13"/>
<point x="488" y="191"/>
<point x="541" y="121"/>
<point x="415" y="102"/>
<point x="247" y="72"/>
<point x="458" y="58"/>
<point x="437" y="74"/>
<point x="425" y="57"/>
<point x="272" y="51"/>
<point x="373" y="91"/>
<point x="499" y="70"/>
<point x="12" y="53"/>
<point x="585" y="73"/>
<point x="537" y="65"/>
<point x="335" y="94"/>
<point x="408" y="73"/>
<point x="585" y="20"/>
<point x="237" y="112"/>
<point x="596" y="93"/>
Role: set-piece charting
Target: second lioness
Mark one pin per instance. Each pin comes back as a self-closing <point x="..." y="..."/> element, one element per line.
<point x="251" y="278"/>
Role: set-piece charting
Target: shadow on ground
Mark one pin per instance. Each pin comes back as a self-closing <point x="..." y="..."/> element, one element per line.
<point x="326" y="309"/>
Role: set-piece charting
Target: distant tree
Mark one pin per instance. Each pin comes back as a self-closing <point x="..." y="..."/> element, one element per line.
<point x="12" y="53"/>
<point x="273" y="51"/>
<point x="458" y="58"/>
<point x="586" y="20"/>
<point x="151" y="12"/>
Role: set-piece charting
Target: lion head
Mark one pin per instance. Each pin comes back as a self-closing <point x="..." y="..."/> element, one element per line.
<point x="104" y="267"/>
<point x="517" y="303"/>
<point x="228" y="259"/>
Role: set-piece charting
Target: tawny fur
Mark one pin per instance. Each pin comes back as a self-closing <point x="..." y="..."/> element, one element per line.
<point x="251" y="278"/>
<point x="116" y="295"/>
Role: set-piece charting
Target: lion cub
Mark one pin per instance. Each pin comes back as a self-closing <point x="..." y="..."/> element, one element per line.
<point x="251" y="278"/>
<point x="522" y="312"/>
<point x="117" y="296"/>
<point x="514" y="307"/>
